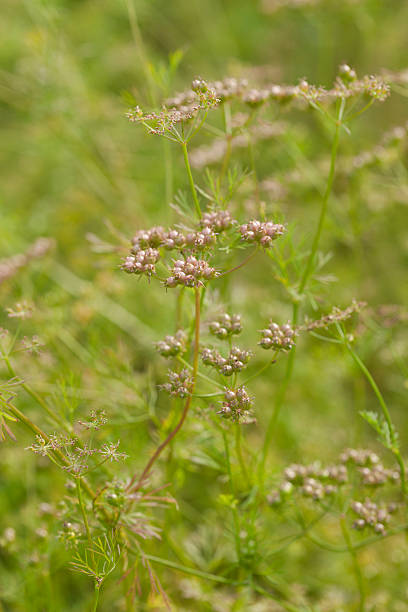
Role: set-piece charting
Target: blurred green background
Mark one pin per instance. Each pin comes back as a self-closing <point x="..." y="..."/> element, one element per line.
<point x="71" y="165"/>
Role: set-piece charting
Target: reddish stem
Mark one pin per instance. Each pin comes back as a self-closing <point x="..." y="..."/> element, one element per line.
<point x="187" y="405"/>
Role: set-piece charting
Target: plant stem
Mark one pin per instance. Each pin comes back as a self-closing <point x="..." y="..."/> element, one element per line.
<point x="82" y="508"/>
<point x="187" y="405"/>
<point x="243" y="263"/>
<point x="39" y="432"/>
<point x="191" y="180"/>
<point x="356" y="565"/>
<point x="238" y="449"/>
<point x="228" y="139"/>
<point x="96" y="599"/>
<point x="192" y="571"/>
<point x="302" y="286"/>
<point x="309" y="264"/>
<point x="385" y="411"/>
<point x="232" y="489"/>
<point x="35" y="395"/>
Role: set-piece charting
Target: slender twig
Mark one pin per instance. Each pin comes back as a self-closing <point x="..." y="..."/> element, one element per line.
<point x="238" y="448"/>
<point x="191" y="180"/>
<point x="96" y="599"/>
<point x="280" y="398"/>
<point x="83" y="512"/>
<point x="384" y="408"/>
<point x="35" y="395"/>
<point x="241" y="265"/>
<point x="187" y="405"/>
<point x="232" y="489"/>
<point x="356" y="565"/>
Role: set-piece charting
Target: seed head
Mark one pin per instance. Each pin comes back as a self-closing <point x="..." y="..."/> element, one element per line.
<point x="190" y="272"/>
<point x="226" y="325"/>
<point x="359" y="456"/>
<point x="278" y="337"/>
<point x="237" y="405"/>
<point x="261" y="233"/>
<point x="370" y="515"/>
<point x="202" y="239"/>
<point x="218" y="221"/>
<point x="148" y="238"/>
<point x="235" y="362"/>
<point x="180" y="383"/>
<point x="141" y="262"/>
<point x="172" y="345"/>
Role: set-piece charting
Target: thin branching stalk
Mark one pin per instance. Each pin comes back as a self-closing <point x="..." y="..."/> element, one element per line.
<point x="83" y="512"/>
<point x="35" y="396"/>
<point x="241" y="265"/>
<point x="356" y="565"/>
<point x="280" y="398"/>
<point x="238" y="448"/>
<point x="228" y="139"/>
<point x="60" y="455"/>
<point x="187" y="404"/>
<point x="232" y="489"/>
<point x="96" y="599"/>
<point x="191" y="180"/>
<point x="386" y="413"/>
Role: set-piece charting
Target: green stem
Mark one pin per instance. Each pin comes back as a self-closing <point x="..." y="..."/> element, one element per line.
<point x="200" y="374"/>
<point x="309" y="264"/>
<point x="83" y="512"/>
<point x="385" y="411"/>
<point x="35" y="396"/>
<point x="253" y="167"/>
<point x="238" y="448"/>
<point x="96" y="599"/>
<point x="191" y="180"/>
<point x="262" y="369"/>
<point x="39" y="432"/>
<point x="356" y="565"/>
<point x="191" y="571"/>
<point x="232" y="489"/>
<point x="302" y="286"/>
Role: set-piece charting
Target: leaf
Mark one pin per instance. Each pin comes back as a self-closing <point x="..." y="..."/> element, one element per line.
<point x="386" y="433"/>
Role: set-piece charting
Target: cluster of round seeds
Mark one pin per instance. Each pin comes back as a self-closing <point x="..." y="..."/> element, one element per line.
<point x="235" y="362"/>
<point x="190" y="272"/>
<point x="359" y="456"/>
<point x="142" y="262"/>
<point x="236" y="405"/>
<point x="149" y="238"/>
<point x="173" y="239"/>
<point x="193" y="269"/>
<point x="378" y="475"/>
<point x="202" y="239"/>
<point x="316" y="489"/>
<point x="261" y="233"/>
<point x="218" y="221"/>
<point x="298" y="472"/>
<point x="310" y="480"/>
<point x="180" y="383"/>
<point x="371" y="515"/>
<point x="172" y="345"/>
<point x="226" y="325"/>
<point x="278" y="337"/>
